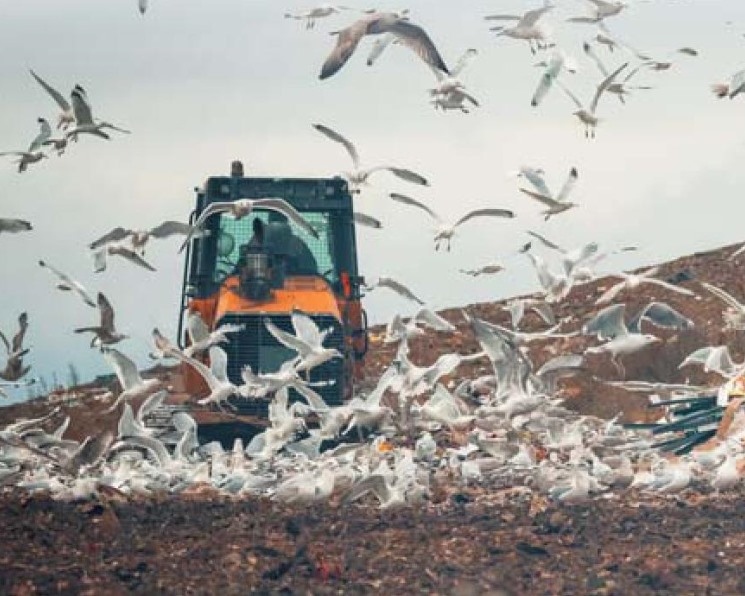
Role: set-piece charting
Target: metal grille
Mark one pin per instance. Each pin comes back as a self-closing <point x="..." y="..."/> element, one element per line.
<point x="258" y="348"/>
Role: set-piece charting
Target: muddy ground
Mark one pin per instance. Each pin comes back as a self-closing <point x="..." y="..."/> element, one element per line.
<point x="503" y="543"/>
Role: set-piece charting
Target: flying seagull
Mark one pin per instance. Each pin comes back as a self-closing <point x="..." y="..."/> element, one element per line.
<point x="358" y="176"/>
<point x="734" y="316"/>
<point x="556" y="204"/>
<point x="445" y="231"/>
<point x="25" y="158"/>
<point x="307" y="341"/>
<point x="587" y="115"/>
<point x="14" y="226"/>
<point x="620" y="89"/>
<point x="485" y="270"/>
<point x="84" y="121"/>
<point x="100" y="257"/>
<point x="731" y="88"/>
<point x="105" y="333"/>
<point x="319" y="12"/>
<point x="631" y="281"/>
<point x="68" y="284"/>
<point x="527" y="27"/>
<point x="366" y="220"/>
<point x="398" y="287"/>
<point x="14" y="369"/>
<point x="139" y="238"/>
<point x="240" y="208"/>
<point x="376" y="23"/>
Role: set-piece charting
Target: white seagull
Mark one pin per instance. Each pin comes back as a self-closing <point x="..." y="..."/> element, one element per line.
<point x="445" y="231"/>
<point x="731" y="88"/>
<point x="631" y="281"/>
<point x="240" y="208"/>
<point x="556" y="204"/>
<point x="734" y="316"/>
<point x="105" y="333"/>
<point x="359" y="176"/>
<point x="84" y="121"/>
<point x="621" y="88"/>
<point x="385" y="281"/>
<point x="409" y="34"/>
<point x="66" y="117"/>
<point x="587" y="115"/>
<point x="66" y="283"/>
<point x="307" y="341"/>
<point x="319" y="12"/>
<point x="133" y="385"/>
<point x="527" y="27"/>
<point x="139" y="238"/>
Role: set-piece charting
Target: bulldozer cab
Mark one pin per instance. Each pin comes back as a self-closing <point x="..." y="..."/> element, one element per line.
<point x="264" y="266"/>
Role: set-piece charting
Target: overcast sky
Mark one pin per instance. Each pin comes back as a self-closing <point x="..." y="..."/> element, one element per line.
<point x="201" y="83"/>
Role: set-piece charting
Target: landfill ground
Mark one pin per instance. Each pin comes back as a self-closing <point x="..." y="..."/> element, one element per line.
<point x="471" y="542"/>
<point x="482" y="539"/>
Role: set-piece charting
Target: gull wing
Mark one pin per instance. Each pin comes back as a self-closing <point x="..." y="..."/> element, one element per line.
<point x="196" y="327"/>
<point x="548" y="201"/>
<point x="716" y="358"/>
<point x="107" y="312"/>
<point x="463" y="61"/>
<point x="45" y="133"/>
<point x="306" y="328"/>
<point x="70" y="284"/>
<point x="381" y="43"/>
<point x="504" y="213"/>
<point x="366" y="220"/>
<point x="131" y="256"/>
<point x="115" y="235"/>
<point x="535" y="177"/>
<point x="399" y="288"/>
<point x="568" y="185"/>
<point x="335" y="136"/>
<point x="590" y="51"/>
<point x="413" y="202"/>
<point x="608" y="323"/>
<point x="545" y="277"/>
<point x="201" y="368"/>
<point x="416" y="38"/>
<point x="543" y="309"/>
<point x="502" y="17"/>
<point x="611" y="292"/>
<point x="662" y="315"/>
<point x="530" y="18"/>
<point x="604" y="85"/>
<point x="728" y="298"/>
<point x="125" y="370"/>
<point x="56" y="95"/>
<point x="212" y="209"/>
<point x="14" y="225"/>
<point x="282" y="206"/>
<point x="668" y="286"/>
<point x="552" y="71"/>
<point x="347" y="41"/>
<point x="571" y="95"/>
<point x="170" y="228"/>
<point x="219" y="363"/>
<point x="546" y="242"/>
<point x="314" y="400"/>
<point x="5" y="341"/>
<point x="286" y="339"/>
<point x="404" y="174"/>
<point x="81" y="107"/>
<point x="433" y="320"/>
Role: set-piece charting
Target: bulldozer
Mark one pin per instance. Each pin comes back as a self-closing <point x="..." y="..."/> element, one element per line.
<point x="229" y="277"/>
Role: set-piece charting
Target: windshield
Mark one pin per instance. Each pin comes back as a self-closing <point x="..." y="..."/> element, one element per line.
<point x="304" y="254"/>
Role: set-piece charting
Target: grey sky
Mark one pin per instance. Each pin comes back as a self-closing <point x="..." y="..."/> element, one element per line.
<point x="201" y="83"/>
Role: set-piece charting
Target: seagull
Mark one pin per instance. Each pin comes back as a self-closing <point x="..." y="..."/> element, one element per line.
<point x="240" y="208"/>
<point x="84" y="122"/>
<point x="66" y="283"/>
<point x="557" y="63"/>
<point x="14" y="226"/>
<point x="527" y="27"/>
<point x="307" y="341"/>
<point x="621" y="88"/>
<point x="142" y="6"/>
<point x="449" y="87"/>
<point x="445" y="231"/>
<point x="714" y="358"/>
<point x="375" y="23"/>
<point x="631" y="281"/>
<point x="609" y="324"/>
<point x="732" y="88"/>
<point x="216" y="376"/>
<point x="555" y="286"/>
<point x="26" y="158"/>
<point x="139" y="238"/>
<point x="100" y="257"/>
<point x="659" y="65"/>
<point x="105" y="333"/>
<point x="485" y="270"/>
<point x="734" y="316"/>
<point x="133" y="385"/>
<point x="319" y="12"/>
<point x="14" y="369"/>
<point x="358" y="176"/>
<point x="517" y="307"/>
<point x="557" y="204"/>
<point x="454" y="100"/>
<point x="398" y="330"/>
<point x="601" y="9"/>
<point x="390" y="283"/>
<point x="201" y="338"/>
<point x="66" y="117"/>
<point x="587" y="115"/>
